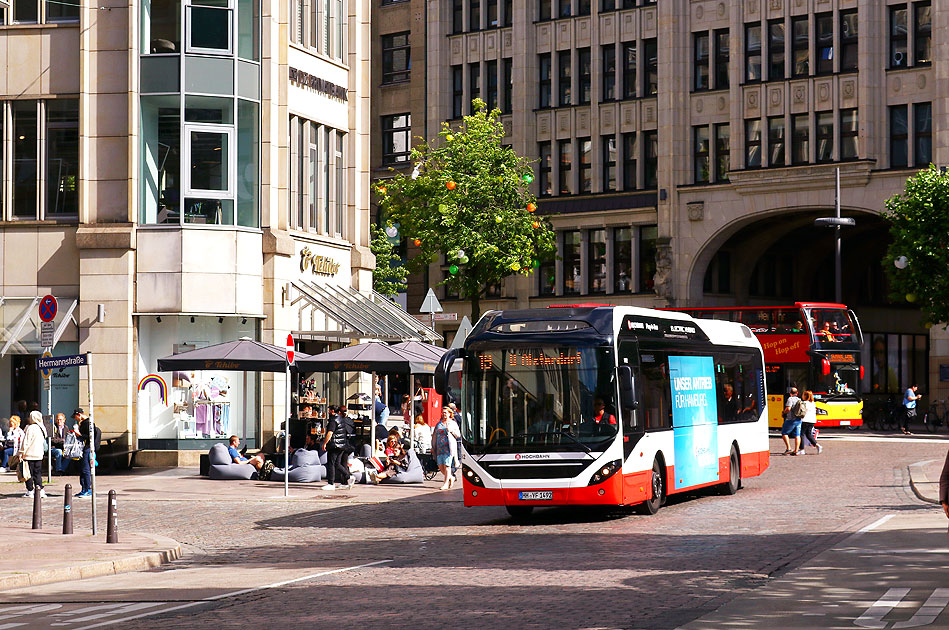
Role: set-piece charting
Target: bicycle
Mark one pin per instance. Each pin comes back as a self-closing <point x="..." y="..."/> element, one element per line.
<point x="935" y="417"/>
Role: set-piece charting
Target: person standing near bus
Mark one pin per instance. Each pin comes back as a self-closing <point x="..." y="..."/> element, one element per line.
<point x="909" y="407"/>
<point x="808" y="432"/>
<point x="792" y="424"/>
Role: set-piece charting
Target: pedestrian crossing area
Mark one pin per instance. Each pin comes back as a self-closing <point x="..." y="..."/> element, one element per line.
<point x="73" y="615"/>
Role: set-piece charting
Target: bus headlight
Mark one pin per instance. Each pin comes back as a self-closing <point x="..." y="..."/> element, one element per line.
<point x="471" y="477"/>
<point x="605" y="471"/>
<point x="821" y="412"/>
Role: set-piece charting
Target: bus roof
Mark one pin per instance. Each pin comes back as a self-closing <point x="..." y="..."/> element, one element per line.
<point x="775" y="307"/>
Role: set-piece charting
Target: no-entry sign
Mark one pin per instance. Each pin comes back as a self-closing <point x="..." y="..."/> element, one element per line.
<point x="290" y="349"/>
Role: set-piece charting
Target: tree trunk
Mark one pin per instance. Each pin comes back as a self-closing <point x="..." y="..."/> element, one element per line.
<point x="475" y="307"/>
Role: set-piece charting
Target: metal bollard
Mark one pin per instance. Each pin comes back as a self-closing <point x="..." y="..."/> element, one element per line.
<point x="67" y="510"/>
<point x="37" y="506"/>
<point x="112" y="533"/>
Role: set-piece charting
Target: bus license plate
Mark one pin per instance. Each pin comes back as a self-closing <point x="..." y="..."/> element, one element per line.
<point x="537" y="495"/>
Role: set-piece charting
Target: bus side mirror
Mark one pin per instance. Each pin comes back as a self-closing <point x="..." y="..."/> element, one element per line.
<point x="444" y="369"/>
<point x="627" y="391"/>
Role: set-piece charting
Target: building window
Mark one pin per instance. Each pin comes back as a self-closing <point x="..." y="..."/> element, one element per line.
<point x="583" y="7"/>
<point x="848" y="40"/>
<point x="508" y="12"/>
<point x="543" y="10"/>
<point x="700" y="61"/>
<point x="922" y="33"/>
<point x="722" y="151"/>
<point x="721" y="59"/>
<point x="492" y="68"/>
<point x="396" y="58"/>
<point x="62" y="157"/>
<point x="608" y="55"/>
<point x="776" y="42"/>
<point x="457" y="16"/>
<point x="474" y="85"/>
<point x="492" y="13"/>
<point x="648" y="238"/>
<point x="457" y="91"/>
<point x="922" y="134"/>
<point x="629" y="161"/>
<point x="825" y="137"/>
<point x="849" y="148"/>
<point x="596" y="261"/>
<point x="607" y="5"/>
<point x="544" y="168"/>
<point x="650" y="141"/>
<point x="800" y="62"/>
<point x="340" y="167"/>
<point x="800" y="138"/>
<point x="474" y="15"/>
<point x="899" y="137"/>
<point x="25" y="159"/>
<point x="752" y="52"/>
<point x="609" y="162"/>
<point x="629" y="70"/>
<point x="508" y="82"/>
<point x="718" y="274"/>
<point x="565" y="157"/>
<point x="622" y="260"/>
<point x="585" y="69"/>
<point x="61" y="11"/>
<point x="28" y="12"/>
<point x="586" y="164"/>
<point x="651" y="67"/>
<point x="547" y="278"/>
<point x="824" y="26"/>
<point x="396" y="138"/>
<point x="563" y="74"/>
<point x="776" y="141"/>
<point x="563" y="8"/>
<point x="543" y="88"/>
<point x="700" y="155"/>
<point x="753" y="143"/>
<point x="899" y="58"/>
<point x="571" y="262"/>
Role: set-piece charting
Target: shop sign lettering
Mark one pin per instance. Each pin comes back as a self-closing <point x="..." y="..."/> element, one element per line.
<point x="317" y="84"/>
<point x="321" y="265"/>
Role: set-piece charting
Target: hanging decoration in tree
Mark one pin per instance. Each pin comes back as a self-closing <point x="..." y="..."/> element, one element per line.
<point x="418" y="242"/>
<point x="453" y="269"/>
<point x="515" y="266"/>
<point x="528" y="177"/>
<point x="536" y="224"/>
<point x="531" y="207"/>
<point x="392" y="231"/>
<point x="450" y="185"/>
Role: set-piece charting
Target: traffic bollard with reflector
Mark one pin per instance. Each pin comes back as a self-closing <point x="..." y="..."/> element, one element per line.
<point x="37" y="506"/>
<point x="67" y="510"/>
<point x="112" y="533"/>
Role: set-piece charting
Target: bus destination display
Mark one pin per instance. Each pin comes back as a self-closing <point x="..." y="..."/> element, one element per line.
<point x="533" y="357"/>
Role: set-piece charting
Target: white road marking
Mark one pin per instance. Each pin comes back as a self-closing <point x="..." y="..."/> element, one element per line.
<point x="872" y="525"/>
<point x="125" y="608"/>
<point x="29" y="609"/>
<point x="873" y="617"/>
<point x="79" y="611"/>
<point x="882" y="438"/>
<point x="237" y="593"/>
<point x="11" y="625"/>
<point x="928" y="612"/>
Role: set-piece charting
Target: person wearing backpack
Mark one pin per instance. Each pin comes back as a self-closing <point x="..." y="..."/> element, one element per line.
<point x="808" y="432"/>
<point x="792" y="423"/>
<point x="32" y="450"/>
<point x="337" y="446"/>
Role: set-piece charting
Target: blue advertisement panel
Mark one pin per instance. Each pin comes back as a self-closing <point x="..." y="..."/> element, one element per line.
<point x="694" y="420"/>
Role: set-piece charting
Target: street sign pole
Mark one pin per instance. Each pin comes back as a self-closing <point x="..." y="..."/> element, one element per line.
<point x="286" y="433"/>
<point x="47" y="381"/>
<point x="92" y="440"/>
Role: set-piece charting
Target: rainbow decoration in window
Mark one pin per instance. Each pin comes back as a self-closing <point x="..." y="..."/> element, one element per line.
<point x="162" y="387"/>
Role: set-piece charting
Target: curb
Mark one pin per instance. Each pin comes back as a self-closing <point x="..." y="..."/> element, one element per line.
<point x="167" y="551"/>
<point x="918" y="477"/>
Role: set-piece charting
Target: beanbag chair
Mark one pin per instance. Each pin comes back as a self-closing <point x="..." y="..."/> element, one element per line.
<point x="223" y="468"/>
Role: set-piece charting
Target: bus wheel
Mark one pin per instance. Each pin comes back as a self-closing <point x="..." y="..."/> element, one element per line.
<point x="734" y="474"/>
<point x="519" y="512"/>
<point x="652" y="506"/>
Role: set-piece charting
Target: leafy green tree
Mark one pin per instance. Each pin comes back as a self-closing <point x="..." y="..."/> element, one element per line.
<point x="468" y="199"/>
<point x="917" y="260"/>
<point x="389" y="276"/>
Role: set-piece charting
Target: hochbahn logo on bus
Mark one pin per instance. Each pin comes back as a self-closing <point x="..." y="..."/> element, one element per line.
<point x="662" y="328"/>
<point x="518" y="456"/>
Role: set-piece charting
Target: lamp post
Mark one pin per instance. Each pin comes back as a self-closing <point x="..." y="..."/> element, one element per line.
<point x="836" y="222"/>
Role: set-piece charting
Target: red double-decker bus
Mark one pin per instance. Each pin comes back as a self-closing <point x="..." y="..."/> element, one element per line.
<point x="809" y="345"/>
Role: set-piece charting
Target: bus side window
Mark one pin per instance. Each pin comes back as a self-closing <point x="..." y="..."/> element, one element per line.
<point x="657" y="395"/>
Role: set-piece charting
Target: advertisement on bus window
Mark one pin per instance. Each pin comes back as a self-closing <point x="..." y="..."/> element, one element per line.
<point x="694" y="420"/>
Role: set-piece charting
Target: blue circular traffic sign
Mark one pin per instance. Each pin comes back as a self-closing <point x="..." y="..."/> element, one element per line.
<point x="48" y="308"/>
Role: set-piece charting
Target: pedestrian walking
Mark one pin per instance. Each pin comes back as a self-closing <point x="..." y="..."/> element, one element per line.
<point x="909" y="407"/>
<point x="445" y="445"/>
<point x="337" y="446"/>
<point x="12" y="443"/>
<point x="944" y="487"/>
<point x="31" y="452"/>
<point x="87" y="462"/>
<point x="808" y="432"/>
<point x="793" y="412"/>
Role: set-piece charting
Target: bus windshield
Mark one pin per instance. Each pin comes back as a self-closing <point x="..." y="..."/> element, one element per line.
<point x="539" y="398"/>
<point x="832" y="325"/>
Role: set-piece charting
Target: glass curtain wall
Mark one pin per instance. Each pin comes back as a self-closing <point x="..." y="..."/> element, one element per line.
<point x="200" y="112"/>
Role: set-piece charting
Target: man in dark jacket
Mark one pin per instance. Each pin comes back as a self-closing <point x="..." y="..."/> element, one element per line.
<point x="85" y="471"/>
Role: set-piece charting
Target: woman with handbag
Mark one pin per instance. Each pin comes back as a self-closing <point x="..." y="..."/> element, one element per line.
<point x="31" y="452"/>
<point x="12" y="445"/>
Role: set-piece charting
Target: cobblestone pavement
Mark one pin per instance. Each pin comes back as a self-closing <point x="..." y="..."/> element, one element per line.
<point x="473" y="567"/>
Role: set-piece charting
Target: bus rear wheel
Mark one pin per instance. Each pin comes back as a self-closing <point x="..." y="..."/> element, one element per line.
<point x="734" y="474"/>
<point x="519" y="512"/>
<point x="651" y="506"/>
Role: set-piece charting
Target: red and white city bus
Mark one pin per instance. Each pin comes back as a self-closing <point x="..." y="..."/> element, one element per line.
<point x="606" y="405"/>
